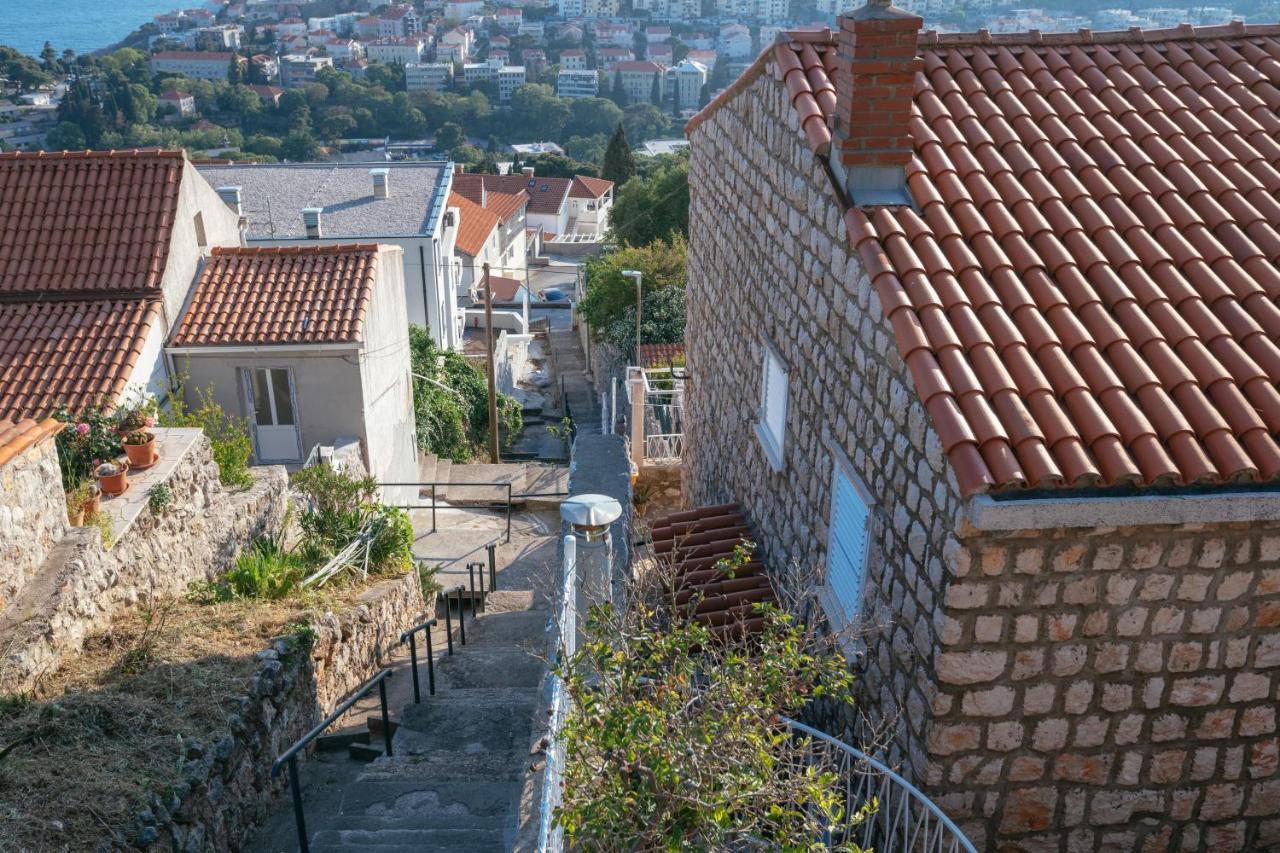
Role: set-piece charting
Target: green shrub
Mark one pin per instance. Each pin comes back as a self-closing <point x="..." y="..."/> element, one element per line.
<point x="228" y="433"/>
<point x="334" y="513"/>
<point x="89" y="439"/>
<point x="265" y="570"/>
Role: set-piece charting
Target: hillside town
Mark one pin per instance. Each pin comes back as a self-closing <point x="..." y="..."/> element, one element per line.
<point x="649" y="425"/>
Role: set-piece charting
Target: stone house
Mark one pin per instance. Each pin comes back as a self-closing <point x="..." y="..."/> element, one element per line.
<point x="98" y="250"/>
<point x="996" y="315"/>
<point x="311" y="345"/>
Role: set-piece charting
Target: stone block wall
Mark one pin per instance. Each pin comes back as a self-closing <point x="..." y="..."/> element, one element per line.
<point x="227" y="789"/>
<point x="81" y="584"/>
<point x="33" y="514"/>
<point x="1112" y="689"/>
<point x="778" y="270"/>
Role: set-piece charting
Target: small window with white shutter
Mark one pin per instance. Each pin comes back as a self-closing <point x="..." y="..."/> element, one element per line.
<point x="772" y="426"/>
<point x="848" y="547"/>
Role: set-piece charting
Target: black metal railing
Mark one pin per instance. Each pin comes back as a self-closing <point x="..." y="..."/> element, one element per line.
<point x="432" y="506"/>
<point x="290" y="756"/>
<point x="411" y="636"/>
<point x="448" y="616"/>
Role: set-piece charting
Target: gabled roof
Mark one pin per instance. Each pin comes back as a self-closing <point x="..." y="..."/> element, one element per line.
<point x="474" y="226"/>
<point x="640" y="65"/>
<point x="504" y="289"/>
<point x="282" y="295"/>
<point x="505" y="205"/>
<point x="587" y="187"/>
<point x="545" y="195"/>
<point x="80" y="352"/>
<point x="97" y="221"/>
<point x="1085" y="291"/>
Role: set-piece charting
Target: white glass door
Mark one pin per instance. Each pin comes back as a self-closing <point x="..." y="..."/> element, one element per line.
<point x="275" y="422"/>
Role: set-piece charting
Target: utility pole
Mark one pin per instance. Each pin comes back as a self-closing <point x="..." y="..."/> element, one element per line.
<point x="493" y="383"/>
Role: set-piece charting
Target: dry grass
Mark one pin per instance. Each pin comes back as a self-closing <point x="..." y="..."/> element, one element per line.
<point x="115" y="724"/>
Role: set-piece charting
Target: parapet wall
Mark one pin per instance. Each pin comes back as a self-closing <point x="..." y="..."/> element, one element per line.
<point x="33" y="513"/>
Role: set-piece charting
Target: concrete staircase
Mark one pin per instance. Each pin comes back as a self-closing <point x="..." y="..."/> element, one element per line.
<point x="536" y="482"/>
<point x="571" y="366"/>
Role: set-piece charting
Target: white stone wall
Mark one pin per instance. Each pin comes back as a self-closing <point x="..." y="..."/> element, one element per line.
<point x="33" y="515"/>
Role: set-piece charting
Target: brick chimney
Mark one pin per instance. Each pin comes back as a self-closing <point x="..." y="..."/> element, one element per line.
<point x="875" y="75"/>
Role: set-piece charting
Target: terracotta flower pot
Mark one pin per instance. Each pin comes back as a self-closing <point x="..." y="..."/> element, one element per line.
<point x="91" y="505"/>
<point x="115" y="484"/>
<point x="142" y="455"/>
<point x="76" y="518"/>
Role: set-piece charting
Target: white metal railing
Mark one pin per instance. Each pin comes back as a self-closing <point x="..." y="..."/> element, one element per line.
<point x="904" y="818"/>
<point x="664" y="447"/>
<point x="655" y="419"/>
<point x="551" y="837"/>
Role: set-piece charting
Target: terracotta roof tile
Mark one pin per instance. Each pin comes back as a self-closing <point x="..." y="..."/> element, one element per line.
<point x="286" y="295"/>
<point x="474" y="226"/>
<point x="660" y="355"/>
<point x="17" y="437"/>
<point x="587" y="187"/>
<point x="545" y="194"/>
<point x="1087" y="293"/>
<point x="692" y="543"/>
<point x="504" y="289"/>
<point x="505" y="205"/>
<point x="91" y="221"/>
<point x="77" y="352"/>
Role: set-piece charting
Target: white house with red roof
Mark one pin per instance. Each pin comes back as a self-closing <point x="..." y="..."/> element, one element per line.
<point x="984" y="344"/>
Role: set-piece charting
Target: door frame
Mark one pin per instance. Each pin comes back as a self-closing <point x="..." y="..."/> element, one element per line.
<point x="246" y="391"/>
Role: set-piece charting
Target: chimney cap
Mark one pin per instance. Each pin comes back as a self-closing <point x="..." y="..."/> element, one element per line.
<point x="880" y="10"/>
<point x="381" y="171"/>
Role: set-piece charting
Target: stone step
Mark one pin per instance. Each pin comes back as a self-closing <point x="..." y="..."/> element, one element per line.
<point x="507" y="601"/>
<point x="489" y="667"/>
<point x="425" y="801"/>
<point x="408" y="848"/>
<point x="411" y="839"/>
<point x="470" y="721"/>
<point x="418" y="756"/>
<point x="512" y="627"/>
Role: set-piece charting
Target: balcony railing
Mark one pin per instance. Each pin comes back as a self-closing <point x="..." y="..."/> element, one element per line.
<point x="655" y="414"/>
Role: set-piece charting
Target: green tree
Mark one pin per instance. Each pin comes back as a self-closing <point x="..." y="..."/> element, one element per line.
<point x="49" y="58"/>
<point x="619" y="162"/>
<point x="300" y="146"/>
<point x="449" y="137"/>
<point x="644" y="122"/>
<point x="586" y="149"/>
<point x="592" y="116"/>
<point x="537" y="112"/>
<point x="560" y="166"/>
<point x="618" y="93"/>
<point x="21" y="70"/>
<point x="610" y="294"/>
<point x="654" y="206"/>
<point x="65" y="136"/>
<point x="655" y="91"/>
<point x="234" y="74"/>
<point x="662" y="317"/>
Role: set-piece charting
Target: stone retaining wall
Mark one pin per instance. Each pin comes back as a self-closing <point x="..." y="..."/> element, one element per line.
<point x="228" y="790"/>
<point x="33" y="514"/>
<point x="81" y="584"/>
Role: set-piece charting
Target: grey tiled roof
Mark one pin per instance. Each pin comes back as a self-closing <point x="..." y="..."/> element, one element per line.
<point x="274" y="196"/>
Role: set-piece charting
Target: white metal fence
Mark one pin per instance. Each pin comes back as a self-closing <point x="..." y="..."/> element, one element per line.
<point x="551" y="837"/>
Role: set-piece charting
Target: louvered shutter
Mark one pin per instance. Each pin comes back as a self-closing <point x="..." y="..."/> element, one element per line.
<point x="775" y="398"/>
<point x="847" y="552"/>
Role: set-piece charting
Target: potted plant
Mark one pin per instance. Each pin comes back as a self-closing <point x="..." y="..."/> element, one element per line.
<point x="76" y="498"/>
<point x="113" y="478"/>
<point x="93" y="500"/>
<point x="140" y="447"/>
<point x="134" y="417"/>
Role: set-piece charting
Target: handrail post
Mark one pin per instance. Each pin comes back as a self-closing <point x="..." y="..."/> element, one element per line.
<point x="508" y="513"/>
<point x="413" y="657"/>
<point x="299" y="821"/>
<point x="492" y="548"/>
<point x="462" y="618"/>
<point x="386" y="722"/>
<point x="471" y="576"/>
<point x="433" y="507"/>
<point x="448" y="622"/>
<point x="431" y="665"/>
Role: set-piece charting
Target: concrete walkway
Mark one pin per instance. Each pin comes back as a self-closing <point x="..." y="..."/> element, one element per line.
<point x="458" y="774"/>
<point x="571" y="368"/>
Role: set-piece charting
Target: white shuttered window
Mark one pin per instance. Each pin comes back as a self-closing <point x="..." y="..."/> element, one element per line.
<point x="847" y="547"/>
<point x="772" y="427"/>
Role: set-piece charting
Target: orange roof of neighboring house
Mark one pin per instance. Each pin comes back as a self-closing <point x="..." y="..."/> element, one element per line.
<point x="93" y="221"/>
<point x="586" y="187"/>
<point x="506" y="205"/>
<point x="660" y="355"/>
<point x="1085" y="290"/>
<point x="285" y="295"/>
<point x="17" y="437"/>
<point x="544" y="195"/>
<point x="692" y="544"/>
<point x="504" y="289"/>
<point x="474" y="226"/>
<point x="72" y="351"/>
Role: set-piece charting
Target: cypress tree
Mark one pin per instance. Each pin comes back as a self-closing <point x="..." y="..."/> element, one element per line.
<point x="619" y="94"/>
<point x="655" y="93"/>
<point x="619" y="162"/>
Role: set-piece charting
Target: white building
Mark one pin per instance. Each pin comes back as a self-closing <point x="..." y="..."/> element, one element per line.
<point x="577" y="84"/>
<point x="460" y="10"/>
<point x="428" y="77"/>
<point x="689" y="79"/>
<point x="510" y="77"/>
<point x="477" y="72"/>
<point x="398" y="22"/>
<point x="394" y="51"/>
<point x="637" y="80"/>
<point x="574" y="59"/>
<point x="198" y="64"/>
<point x="299" y="69"/>
<point x="455" y="45"/>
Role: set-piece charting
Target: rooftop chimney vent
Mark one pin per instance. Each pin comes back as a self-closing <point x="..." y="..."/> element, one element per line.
<point x="232" y="198"/>
<point x="876" y="66"/>
<point x="381" y="182"/>
<point x="528" y="171"/>
<point x="311" y="219"/>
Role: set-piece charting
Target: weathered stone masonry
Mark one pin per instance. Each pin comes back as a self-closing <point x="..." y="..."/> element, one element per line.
<point x="1055" y="690"/>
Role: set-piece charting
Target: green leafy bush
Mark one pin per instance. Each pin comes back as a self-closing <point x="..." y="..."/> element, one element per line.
<point x="453" y="422"/>
<point x="228" y="433"/>
<point x="265" y="570"/>
<point x="341" y="508"/>
<point x="88" y="440"/>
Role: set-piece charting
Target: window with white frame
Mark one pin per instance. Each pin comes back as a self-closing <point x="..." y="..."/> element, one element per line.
<point x="772" y="427"/>
<point x="848" y="547"/>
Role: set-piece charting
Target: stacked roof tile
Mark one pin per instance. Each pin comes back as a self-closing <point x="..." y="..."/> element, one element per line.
<point x="660" y="355"/>
<point x="1085" y="291"/>
<point x="697" y="545"/>
<point x="287" y="295"/>
<point x="17" y="437"/>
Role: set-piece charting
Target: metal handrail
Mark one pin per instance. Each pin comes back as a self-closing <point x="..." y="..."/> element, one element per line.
<point x="550" y="836"/>
<point x="290" y="755"/>
<point x="411" y="635"/>
<point x="448" y="616"/>
<point x="433" y="504"/>
<point x="905" y="818"/>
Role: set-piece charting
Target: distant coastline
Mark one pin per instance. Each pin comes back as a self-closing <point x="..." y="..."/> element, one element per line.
<point x="85" y="26"/>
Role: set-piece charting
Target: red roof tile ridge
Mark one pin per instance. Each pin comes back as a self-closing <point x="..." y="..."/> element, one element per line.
<point x="326" y="249"/>
<point x="17" y="437"/>
<point x="1086" y="36"/>
<point x="90" y="154"/>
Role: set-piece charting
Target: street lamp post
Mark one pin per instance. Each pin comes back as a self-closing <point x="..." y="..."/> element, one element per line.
<point x="635" y="275"/>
